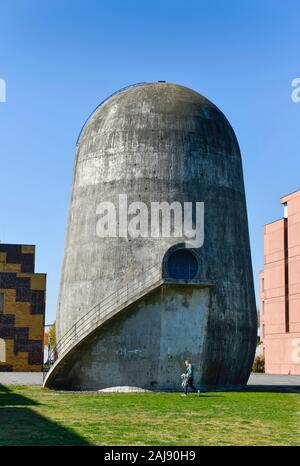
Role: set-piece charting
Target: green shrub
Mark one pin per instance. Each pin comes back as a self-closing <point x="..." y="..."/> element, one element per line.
<point x="259" y="364"/>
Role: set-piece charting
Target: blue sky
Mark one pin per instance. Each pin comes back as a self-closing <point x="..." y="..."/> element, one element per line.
<point x="61" y="58"/>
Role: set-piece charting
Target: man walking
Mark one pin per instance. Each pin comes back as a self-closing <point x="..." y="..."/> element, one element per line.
<point x="189" y="382"/>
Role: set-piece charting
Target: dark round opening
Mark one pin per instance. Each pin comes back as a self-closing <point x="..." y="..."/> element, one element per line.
<point x="182" y="264"/>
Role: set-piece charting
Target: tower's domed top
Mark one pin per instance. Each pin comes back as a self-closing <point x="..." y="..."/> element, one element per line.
<point x="158" y="105"/>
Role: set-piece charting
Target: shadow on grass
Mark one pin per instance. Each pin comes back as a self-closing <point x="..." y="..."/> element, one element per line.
<point x="21" y="425"/>
<point x="8" y="398"/>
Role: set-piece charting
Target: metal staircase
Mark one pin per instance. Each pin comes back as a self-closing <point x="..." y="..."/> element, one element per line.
<point x="106" y="309"/>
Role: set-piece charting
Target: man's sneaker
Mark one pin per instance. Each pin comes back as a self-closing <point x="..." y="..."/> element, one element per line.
<point x="183" y="394"/>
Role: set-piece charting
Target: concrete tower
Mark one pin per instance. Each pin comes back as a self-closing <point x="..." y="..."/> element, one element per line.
<point x="131" y="309"/>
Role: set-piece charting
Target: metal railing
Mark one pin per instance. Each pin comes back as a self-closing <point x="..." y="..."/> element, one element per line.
<point x="116" y="301"/>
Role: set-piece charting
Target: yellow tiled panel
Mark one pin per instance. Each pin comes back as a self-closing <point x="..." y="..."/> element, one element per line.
<point x="23" y="317"/>
<point x="22" y="321"/>
<point x="34" y="368"/>
<point x="20" y="358"/>
<point x="8" y="294"/>
<point x="10" y="356"/>
<point x="13" y="268"/>
<point x="9" y="303"/>
<point x="19" y="361"/>
<point x="17" y="308"/>
<point x="2" y="256"/>
<point x="25" y="367"/>
<point x="28" y="249"/>
<point x="37" y="280"/>
<point x="36" y="328"/>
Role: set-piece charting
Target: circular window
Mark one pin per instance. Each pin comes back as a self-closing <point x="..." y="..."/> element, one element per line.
<point x="182" y="264"/>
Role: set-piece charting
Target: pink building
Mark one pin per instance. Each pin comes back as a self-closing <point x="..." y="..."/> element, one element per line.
<point x="280" y="291"/>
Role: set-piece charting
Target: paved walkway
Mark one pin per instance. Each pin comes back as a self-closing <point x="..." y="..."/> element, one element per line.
<point x="256" y="382"/>
<point x="21" y="378"/>
<point x="267" y="382"/>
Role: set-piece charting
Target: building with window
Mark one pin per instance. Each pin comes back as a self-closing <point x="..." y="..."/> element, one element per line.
<point x="280" y="291"/>
<point x="22" y="309"/>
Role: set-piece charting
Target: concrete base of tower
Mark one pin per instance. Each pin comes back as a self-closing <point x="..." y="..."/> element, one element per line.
<point x="145" y="347"/>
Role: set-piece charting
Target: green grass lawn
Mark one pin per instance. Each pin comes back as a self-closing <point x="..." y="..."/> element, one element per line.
<point x="34" y="416"/>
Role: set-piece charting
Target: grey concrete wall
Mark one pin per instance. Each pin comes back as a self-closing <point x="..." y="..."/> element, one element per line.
<point x="163" y="142"/>
<point x="146" y="345"/>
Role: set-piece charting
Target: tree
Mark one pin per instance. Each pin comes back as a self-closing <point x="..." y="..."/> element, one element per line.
<point x="259" y="364"/>
<point x="52" y="336"/>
